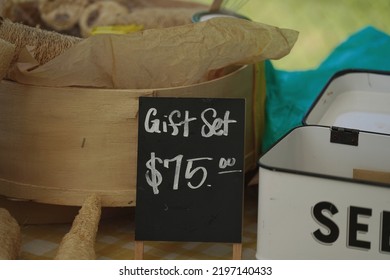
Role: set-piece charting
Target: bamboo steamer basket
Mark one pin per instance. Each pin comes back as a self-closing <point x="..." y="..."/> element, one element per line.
<point x="60" y="145"/>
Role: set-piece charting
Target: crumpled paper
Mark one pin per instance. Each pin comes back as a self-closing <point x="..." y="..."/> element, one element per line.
<point x="7" y="51"/>
<point x="159" y="58"/>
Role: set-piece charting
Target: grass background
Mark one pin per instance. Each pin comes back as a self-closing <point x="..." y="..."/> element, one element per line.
<point x="323" y="24"/>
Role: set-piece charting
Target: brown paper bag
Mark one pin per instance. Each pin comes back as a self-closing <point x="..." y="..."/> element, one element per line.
<point x="159" y="58"/>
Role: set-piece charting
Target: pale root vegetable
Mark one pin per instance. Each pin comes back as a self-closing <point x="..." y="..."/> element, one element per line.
<point x="79" y="242"/>
<point x="7" y="51"/>
<point x="158" y="17"/>
<point x="5" y="7"/>
<point x="46" y="44"/>
<point x="23" y="11"/>
<point x="100" y="13"/>
<point x="10" y="236"/>
<point x="61" y="14"/>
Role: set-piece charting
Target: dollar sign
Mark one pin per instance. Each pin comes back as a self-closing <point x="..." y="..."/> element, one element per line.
<point x="153" y="176"/>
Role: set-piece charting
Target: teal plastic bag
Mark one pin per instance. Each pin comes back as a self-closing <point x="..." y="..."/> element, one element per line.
<point x="289" y="94"/>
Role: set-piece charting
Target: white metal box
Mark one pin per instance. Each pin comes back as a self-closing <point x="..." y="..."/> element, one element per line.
<point x="324" y="188"/>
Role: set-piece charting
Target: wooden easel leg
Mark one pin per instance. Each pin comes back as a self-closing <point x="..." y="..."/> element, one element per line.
<point x="139" y="250"/>
<point x="237" y="251"/>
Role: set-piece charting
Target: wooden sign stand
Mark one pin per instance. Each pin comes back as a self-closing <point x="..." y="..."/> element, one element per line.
<point x="139" y="251"/>
<point x="237" y="251"/>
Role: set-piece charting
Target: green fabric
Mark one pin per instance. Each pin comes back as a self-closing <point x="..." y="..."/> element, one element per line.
<point x="291" y="93"/>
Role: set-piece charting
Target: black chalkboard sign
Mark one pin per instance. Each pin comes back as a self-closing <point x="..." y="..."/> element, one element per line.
<point x="190" y="173"/>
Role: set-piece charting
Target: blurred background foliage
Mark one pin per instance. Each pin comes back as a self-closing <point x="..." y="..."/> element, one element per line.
<point x="323" y="24"/>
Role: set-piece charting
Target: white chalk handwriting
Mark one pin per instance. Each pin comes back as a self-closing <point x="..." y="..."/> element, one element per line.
<point x="178" y="123"/>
